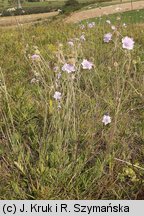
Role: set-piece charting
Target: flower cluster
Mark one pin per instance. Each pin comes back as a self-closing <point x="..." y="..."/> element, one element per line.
<point x="107" y="37"/>
<point x="69" y="68"/>
<point x="91" y="25"/>
<point x="127" y="42"/>
<point x="87" y="64"/>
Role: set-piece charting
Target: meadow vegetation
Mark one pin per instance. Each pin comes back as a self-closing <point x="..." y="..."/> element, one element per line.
<point x="54" y="140"/>
<point x="65" y="6"/>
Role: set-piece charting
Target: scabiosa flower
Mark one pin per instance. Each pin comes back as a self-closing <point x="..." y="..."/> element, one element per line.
<point x="57" y="95"/>
<point x="128" y="43"/>
<point x="82" y="37"/>
<point x="106" y="119"/>
<point x="71" y="43"/>
<point x="68" y="68"/>
<point x="35" y="57"/>
<point x="87" y="64"/>
<point x="91" y="25"/>
<point x="107" y="37"/>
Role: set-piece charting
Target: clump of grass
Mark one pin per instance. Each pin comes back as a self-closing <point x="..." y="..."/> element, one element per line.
<point x="60" y="149"/>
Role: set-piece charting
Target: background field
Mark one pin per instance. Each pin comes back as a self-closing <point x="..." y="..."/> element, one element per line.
<point x="52" y="4"/>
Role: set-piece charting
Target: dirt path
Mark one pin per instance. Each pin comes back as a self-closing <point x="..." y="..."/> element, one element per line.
<point x="96" y="12"/>
<point x="15" y="20"/>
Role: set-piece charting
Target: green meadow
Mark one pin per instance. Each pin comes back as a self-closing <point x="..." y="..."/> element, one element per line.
<point x="130" y="17"/>
<point x="60" y="148"/>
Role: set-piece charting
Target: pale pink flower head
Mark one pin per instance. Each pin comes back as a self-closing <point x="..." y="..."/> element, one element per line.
<point x="128" y="43"/>
<point x="57" y="95"/>
<point x="106" y="119"/>
<point x="69" y="68"/>
<point x="87" y="64"/>
<point x="91" y="25"/>
<point x="107" y="37"/>
<point x="70" y="43"/>
<point x="35" y="57"/>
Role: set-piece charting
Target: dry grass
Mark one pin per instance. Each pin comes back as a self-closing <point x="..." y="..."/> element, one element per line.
<point x="15" y="20"/>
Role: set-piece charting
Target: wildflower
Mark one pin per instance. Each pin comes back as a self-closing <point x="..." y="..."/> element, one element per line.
<point x="107" y="37"/>
<point x="71" y="43"/>
<point x="82" y="37"/>
<point x="11" y="9"/>
<point x="91" y="25"/>
<point x="113" y="27"/>
<point x="35" y="57"/>
<point x="108" y="21"/>
<point x="68" y="68"/>
<point x="106" y="119"/>
<point x="87" y="64"/>
<point x="57" y="95"/>
<point x="59" y="10"/>
<point x="128" y="43"/>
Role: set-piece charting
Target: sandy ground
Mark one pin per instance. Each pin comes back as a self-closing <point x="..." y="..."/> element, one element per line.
<point x="15" y="20"/>
<point x="96" y="12"/>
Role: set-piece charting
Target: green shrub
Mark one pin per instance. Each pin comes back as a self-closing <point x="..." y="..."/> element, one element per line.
<point x="28" y="10"/>
<point x="71" y="3"/>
